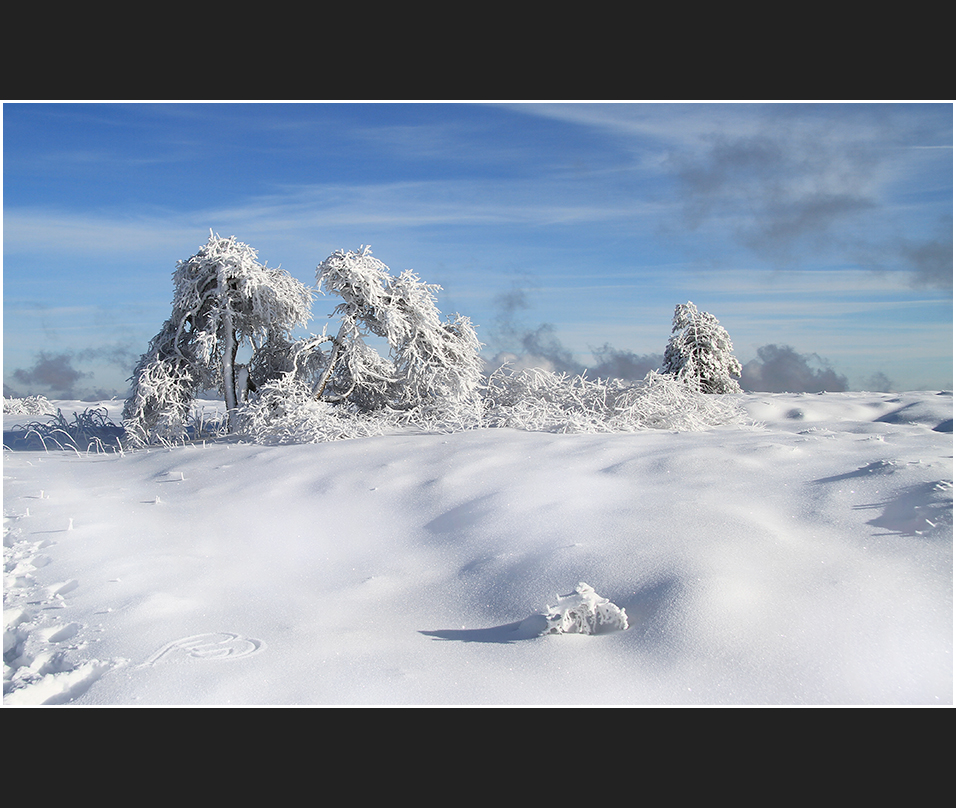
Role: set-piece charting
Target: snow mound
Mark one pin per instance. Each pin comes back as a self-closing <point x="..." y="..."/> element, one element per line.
<point x="918" y="412"/>
<point x="584" y="611"/>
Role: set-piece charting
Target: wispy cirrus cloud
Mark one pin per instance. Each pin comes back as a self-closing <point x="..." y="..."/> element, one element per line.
<point x="307" y="208"/>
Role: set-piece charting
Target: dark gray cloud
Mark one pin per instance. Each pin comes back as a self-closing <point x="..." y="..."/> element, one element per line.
<point x="506" y="320"/>
<point x="520" y="345"/>
<point x="805" y="186"/>
<point x="543" y="343"/>
<point x="122" y="356"/>
<point x="622" y="364"/>
<point x="540" y="346"/>
<point x="55" y="374"/>
<point x="879" y="382"/>
<point x="931" y="262"/>
<point x="52" y="373"/>
<point x="780" y="369"/>
<point x="780" y="193"/>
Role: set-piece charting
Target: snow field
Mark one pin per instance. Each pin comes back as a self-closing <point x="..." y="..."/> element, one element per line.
<point x="807" y="561"/>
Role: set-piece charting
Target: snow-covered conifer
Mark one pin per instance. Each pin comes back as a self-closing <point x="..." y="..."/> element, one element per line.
<point x="699" y="352"/>
<point x="223" y="298"/>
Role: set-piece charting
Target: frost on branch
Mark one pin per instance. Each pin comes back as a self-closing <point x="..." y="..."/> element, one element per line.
<point x="541" y="401"/>
<point x="285" y="411"/>
<point x="700" y="353"/>
<point x="31" y="405"/>
<point x="584" y="611"/>
<point x="430" y="379"/>
<point x="430" y="359"/>
<point x="223" y="298"/>
<point x="327" y="387"/>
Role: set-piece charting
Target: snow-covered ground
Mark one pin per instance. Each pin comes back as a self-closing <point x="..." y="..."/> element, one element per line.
<point x="805" y="561"/>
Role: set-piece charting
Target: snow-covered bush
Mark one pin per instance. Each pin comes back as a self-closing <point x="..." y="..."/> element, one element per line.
<point x="541" y="401"/>
<point x="530" y="399"/>
<point x="31" y="405"/>
<point x="699" y="352"/>
<point x="429" y="381"/>
<point x="287" y="411"/>
<point x="223" y="297"/>
<point x="584" y="611"/>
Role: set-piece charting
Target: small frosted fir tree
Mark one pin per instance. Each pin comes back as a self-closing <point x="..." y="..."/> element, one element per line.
<point x="699" y="352"/>
<point x="431" y="361"/>
<point x="223" y="298"/>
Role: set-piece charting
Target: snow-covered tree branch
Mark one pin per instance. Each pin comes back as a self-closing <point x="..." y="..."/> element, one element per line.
<point x="429" y="358"/>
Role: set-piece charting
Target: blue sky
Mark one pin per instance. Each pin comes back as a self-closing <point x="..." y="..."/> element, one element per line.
<point x="820" y="235"/>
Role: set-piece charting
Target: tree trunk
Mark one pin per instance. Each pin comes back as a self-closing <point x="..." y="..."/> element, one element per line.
<point x="320" y="385"/>
<point x="336" y="348"/>
<point x="229" y="349"/>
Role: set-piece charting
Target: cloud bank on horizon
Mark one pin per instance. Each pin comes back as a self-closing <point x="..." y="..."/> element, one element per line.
<point x="820" y="235"/>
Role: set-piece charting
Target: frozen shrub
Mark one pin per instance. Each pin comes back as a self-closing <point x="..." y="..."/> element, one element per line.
<point x="429" y="381"/>
<point x="541" y="401"/>
<point x="286" y="411"/>
<point x="584" y="611"/>
<point x="90" y="430"/>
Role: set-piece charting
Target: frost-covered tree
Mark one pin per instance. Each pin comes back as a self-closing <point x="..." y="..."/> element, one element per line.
<point x="430" y="359"/>
<point x="223" y="299"/>
<point x="700" y="353"/>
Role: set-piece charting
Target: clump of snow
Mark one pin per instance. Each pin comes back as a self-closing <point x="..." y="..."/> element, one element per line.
<point x="584" y="611"/>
